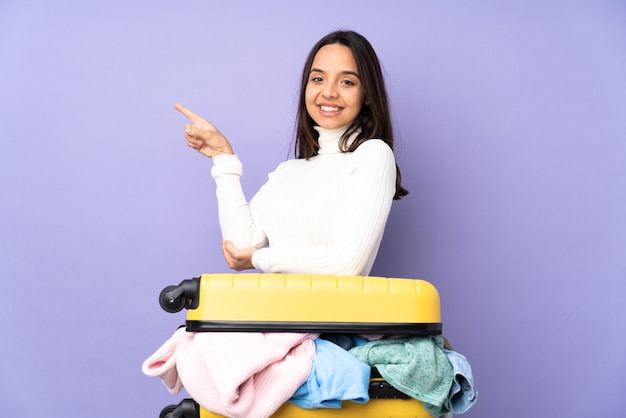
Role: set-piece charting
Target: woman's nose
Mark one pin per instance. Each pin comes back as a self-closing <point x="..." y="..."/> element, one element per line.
<point x="330" y="90"/>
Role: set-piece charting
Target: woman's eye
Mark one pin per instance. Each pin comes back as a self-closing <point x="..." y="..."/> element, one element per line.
<point x="316" y="79"/>
<point x="348" y="82"/>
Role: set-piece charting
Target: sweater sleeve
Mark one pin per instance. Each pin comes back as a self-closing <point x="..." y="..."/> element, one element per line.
<point x="361" y="215"/>
<point x="237" y="222"/>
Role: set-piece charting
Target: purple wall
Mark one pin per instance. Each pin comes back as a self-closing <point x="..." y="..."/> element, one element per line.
<point x="512" y="140"/>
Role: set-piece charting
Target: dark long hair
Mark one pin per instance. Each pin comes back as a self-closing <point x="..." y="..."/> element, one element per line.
<point x="374" y="120"/>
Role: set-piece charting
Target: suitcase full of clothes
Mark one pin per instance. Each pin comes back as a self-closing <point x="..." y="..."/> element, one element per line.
<point x="296" y="303"/>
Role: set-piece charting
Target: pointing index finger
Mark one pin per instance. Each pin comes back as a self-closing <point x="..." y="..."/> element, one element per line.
<point x="189" y="114"/>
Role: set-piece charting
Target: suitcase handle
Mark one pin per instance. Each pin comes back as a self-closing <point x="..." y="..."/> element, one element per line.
<point x="185" y="295"/>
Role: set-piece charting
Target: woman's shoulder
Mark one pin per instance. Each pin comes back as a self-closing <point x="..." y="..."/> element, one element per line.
<point x="375" y="148"/>
<point x="286" y="166"/>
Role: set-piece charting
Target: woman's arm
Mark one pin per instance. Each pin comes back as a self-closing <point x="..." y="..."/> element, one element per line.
<point x="237" y="222"/>
<point x="361" y="215"/>
<point x="235" y="218"/>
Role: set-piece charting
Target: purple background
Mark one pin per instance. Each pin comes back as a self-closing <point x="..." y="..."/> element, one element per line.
<point x="511" y="126"/>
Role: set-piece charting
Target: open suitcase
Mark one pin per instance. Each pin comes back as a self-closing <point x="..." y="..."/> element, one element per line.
<point x="310" y="303"/>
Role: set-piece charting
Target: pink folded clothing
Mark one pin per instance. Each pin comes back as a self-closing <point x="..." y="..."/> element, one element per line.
<point x="238" y="375"/>
<point x="163" y="362"/>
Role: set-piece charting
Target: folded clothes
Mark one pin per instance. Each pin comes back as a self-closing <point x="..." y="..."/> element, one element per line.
<point x="163" y="362"/>
<point x="416" y="366"/>
<point x="463" y="393"/>
<point x="250" y="375"/>
<point x="336" y="376"/>
<point x="239" y="375"/>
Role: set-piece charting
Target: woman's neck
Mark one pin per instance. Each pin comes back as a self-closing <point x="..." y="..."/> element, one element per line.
<point x="329" y="139"/>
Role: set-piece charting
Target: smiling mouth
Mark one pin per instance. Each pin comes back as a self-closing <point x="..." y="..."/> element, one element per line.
<point x="324" y="108"/>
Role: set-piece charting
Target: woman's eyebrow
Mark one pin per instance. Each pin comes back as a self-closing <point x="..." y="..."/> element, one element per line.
<point x="346" y="72"/>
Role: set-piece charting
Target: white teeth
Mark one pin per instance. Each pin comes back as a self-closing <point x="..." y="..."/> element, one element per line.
<point x="329" y="109"/>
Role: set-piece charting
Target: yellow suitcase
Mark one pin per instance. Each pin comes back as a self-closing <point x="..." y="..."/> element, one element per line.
<point x="379" y="408"/>
<point x="265" y="302"/>
<point x="306" y="303"/>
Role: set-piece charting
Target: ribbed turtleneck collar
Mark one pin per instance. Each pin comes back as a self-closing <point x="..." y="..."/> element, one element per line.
<point x="329" y="139"/>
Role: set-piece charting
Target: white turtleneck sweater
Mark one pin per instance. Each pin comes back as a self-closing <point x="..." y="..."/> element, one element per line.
<point x="324" y="215"/>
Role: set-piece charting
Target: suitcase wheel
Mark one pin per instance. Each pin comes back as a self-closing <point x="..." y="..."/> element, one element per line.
<point x="167" y="411"/>
<point x="174" y="298"/>
<point x="187" y="408"/>
<point x="170" y="302"/>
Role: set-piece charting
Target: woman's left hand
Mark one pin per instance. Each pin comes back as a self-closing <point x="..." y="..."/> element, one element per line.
<point x="237" y="259"/>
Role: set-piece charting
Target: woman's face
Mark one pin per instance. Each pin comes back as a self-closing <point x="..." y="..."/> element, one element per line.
<point x="334" y="95"/>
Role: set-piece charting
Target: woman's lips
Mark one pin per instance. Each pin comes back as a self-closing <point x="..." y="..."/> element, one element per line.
<point x="328" y="109"/>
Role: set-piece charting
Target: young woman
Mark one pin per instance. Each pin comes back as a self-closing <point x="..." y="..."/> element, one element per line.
<point x="325" y="211"/>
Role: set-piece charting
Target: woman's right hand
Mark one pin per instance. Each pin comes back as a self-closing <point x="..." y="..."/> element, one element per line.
<point x="203" y="136"/>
